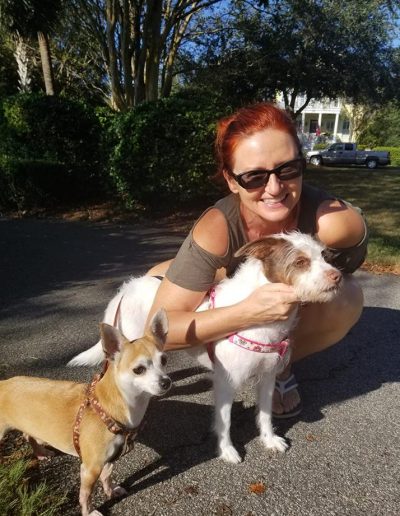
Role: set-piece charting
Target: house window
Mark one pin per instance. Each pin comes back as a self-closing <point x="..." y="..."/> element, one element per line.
<point x="345" y="126"/>
<point x="330" y="125"/>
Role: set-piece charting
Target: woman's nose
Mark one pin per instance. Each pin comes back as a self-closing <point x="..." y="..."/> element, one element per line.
<point x="274" y="185"/>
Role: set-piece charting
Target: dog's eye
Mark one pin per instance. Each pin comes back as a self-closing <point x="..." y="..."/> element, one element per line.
<point x="164" y="360"/>
<point x="302" y="263"/>
<point x="139" y="370"/>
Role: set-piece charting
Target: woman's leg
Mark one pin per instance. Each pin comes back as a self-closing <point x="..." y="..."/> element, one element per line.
<point x="320" y="326"/>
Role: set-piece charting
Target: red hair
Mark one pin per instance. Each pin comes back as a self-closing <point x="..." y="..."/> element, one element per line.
<point x="245" y="122"/>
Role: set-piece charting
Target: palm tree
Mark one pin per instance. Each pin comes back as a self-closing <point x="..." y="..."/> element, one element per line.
<point x="28" y="19"/>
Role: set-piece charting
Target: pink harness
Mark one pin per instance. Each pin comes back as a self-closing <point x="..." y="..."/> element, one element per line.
<point x="245" y="343"/>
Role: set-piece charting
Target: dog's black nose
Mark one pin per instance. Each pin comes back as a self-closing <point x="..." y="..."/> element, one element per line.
<point x="165" y="383"/>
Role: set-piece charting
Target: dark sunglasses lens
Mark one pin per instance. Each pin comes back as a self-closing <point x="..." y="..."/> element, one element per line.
<point x="291" y="170"/>
<point x="254" y="179"/>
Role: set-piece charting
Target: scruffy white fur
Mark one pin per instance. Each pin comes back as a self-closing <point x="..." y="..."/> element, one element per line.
<point x="293" y="258"/>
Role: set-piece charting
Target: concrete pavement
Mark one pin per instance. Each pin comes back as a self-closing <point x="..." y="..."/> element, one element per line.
<point x="56" y="278"/>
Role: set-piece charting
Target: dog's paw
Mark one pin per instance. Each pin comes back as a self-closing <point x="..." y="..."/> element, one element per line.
<point x="275" y="443"/>
<point x="95" y="513"/>
<point x="229" y="454"/>
<point x="118" y="492"/>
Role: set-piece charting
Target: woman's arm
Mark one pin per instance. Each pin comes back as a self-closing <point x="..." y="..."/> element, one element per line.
<point x="187" y="327"/>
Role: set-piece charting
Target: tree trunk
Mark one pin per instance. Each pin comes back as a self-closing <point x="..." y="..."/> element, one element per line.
<point x="153" y="54"/>
<point x="47" y="68"/>
<point x="21" y="57"/>
<point x="117" y="96"/>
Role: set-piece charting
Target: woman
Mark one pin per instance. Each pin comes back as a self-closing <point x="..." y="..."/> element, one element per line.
<point x="259" y="157"/>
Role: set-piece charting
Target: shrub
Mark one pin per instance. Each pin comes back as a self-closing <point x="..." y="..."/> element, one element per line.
<point x="51" y="149"/>
<point x="164" y="150"/>
<point x="50" y="128"/>
<point x="320" y="146"/>
<point x="394" y="154"/>
<point x="26" y="184"/>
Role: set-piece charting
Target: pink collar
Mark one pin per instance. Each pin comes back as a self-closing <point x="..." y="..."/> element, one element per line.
<point x="260" y="347"/>
<point x="245" y="343"/>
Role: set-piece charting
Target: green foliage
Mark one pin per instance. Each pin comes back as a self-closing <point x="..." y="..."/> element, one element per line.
<point x="19" y="496"/>
<point x="26" y="184"/>
<point x="394" y="154"/>
<point x="37" y="126"/>
<point x="51" y="150"/>
<point x="320" y="146"/>
<point x="384" y="128"/>
<point x="164" y="150"/>
<point x="8" y="70"/>
<point x="322" y="49"/>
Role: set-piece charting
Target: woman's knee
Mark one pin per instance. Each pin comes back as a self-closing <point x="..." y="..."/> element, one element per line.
<point x="160" y="269"/>
<point x="324" y="324"/>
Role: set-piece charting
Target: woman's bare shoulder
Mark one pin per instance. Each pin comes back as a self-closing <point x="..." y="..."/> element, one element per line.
<point x="211" y="232"/>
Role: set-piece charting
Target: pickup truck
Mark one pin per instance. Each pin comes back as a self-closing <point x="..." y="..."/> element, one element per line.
<point x="347" y="154"/>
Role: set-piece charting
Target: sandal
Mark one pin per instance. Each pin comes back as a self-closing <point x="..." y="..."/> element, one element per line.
<point x="283" y="387"/>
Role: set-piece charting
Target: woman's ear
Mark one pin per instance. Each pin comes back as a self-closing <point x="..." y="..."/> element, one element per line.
<point x="232" y="184"/>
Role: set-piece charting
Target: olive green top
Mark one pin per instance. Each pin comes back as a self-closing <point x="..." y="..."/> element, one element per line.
<point x="194" y="268"/>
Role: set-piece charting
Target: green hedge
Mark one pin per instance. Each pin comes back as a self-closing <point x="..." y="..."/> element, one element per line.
<point x="51" y="150"/>
<point x="394" y="154"/>
<point x="27" y="184"/>
<point x="164" y="150"/>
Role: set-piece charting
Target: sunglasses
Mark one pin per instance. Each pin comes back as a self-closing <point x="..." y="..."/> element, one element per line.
<point x="260" y="176"/>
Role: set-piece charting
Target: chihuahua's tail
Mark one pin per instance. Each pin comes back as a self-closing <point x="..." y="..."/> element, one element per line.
<point x="91" y="357"/>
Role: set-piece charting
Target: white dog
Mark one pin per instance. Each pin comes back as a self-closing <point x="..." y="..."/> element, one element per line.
<point x="263" y="351"/>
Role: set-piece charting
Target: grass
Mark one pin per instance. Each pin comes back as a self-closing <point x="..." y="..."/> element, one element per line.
<point x="21" y="494"/>
<point x="377" y="193"/>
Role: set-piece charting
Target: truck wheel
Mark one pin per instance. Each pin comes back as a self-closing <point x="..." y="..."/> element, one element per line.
<point x="316" y="160"/>
<point x="371" y="163"/>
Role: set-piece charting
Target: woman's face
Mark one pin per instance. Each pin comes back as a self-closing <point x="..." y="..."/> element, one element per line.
<point x="267" y="149"/>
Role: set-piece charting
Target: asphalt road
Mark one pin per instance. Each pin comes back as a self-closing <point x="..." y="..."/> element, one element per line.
<point x="56" y="278"/>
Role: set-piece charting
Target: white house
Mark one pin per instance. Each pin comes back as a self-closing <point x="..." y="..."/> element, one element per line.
<point x="323" y="117"/>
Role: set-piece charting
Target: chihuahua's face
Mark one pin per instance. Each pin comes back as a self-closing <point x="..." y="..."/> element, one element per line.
<point x="141" y="368"/>
<point x="140" y="364"/>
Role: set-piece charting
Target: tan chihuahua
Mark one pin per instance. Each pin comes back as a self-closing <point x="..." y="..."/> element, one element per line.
<point x="95" y="422"/>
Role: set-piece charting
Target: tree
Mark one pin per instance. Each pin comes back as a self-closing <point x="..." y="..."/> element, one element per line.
<point x="383" y="127"/>
<point x="320" y="49"/>
<point x="8" y="70"/>
<point x="139" y="41"/>
<point x="24" y="20"/>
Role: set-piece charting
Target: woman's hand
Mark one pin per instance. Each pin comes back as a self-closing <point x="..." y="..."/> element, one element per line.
<point x="269" y="303"/>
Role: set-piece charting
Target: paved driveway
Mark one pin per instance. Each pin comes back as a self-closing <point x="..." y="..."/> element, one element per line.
<point x="56" y="278"/>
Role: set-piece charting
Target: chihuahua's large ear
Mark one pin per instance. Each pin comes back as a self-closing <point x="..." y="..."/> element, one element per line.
<point x="261" y="248"/>
<point x="112" y="340"/>
<point x="159" y="328"/>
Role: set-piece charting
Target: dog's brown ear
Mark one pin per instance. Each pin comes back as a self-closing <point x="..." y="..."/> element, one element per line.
<point x="159" y="328"/>
<point x="261" y="248"/>
<point x="112" y="340"/>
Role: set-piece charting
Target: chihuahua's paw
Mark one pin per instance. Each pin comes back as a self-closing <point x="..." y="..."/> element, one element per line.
<point x="95" y="513"/>
<point x="229" y="454"/>
<point x="275" y="443"/>
<point x="118" y="492"/>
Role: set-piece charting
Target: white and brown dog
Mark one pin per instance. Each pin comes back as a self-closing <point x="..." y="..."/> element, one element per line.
<point x="96" y="422"/>
<point x="295" y="259"/>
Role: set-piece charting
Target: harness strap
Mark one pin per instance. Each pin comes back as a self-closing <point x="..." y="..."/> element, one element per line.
<point x="112" y="425"/>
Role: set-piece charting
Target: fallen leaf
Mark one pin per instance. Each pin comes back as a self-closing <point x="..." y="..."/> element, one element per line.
<point x="257" y="488"/>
